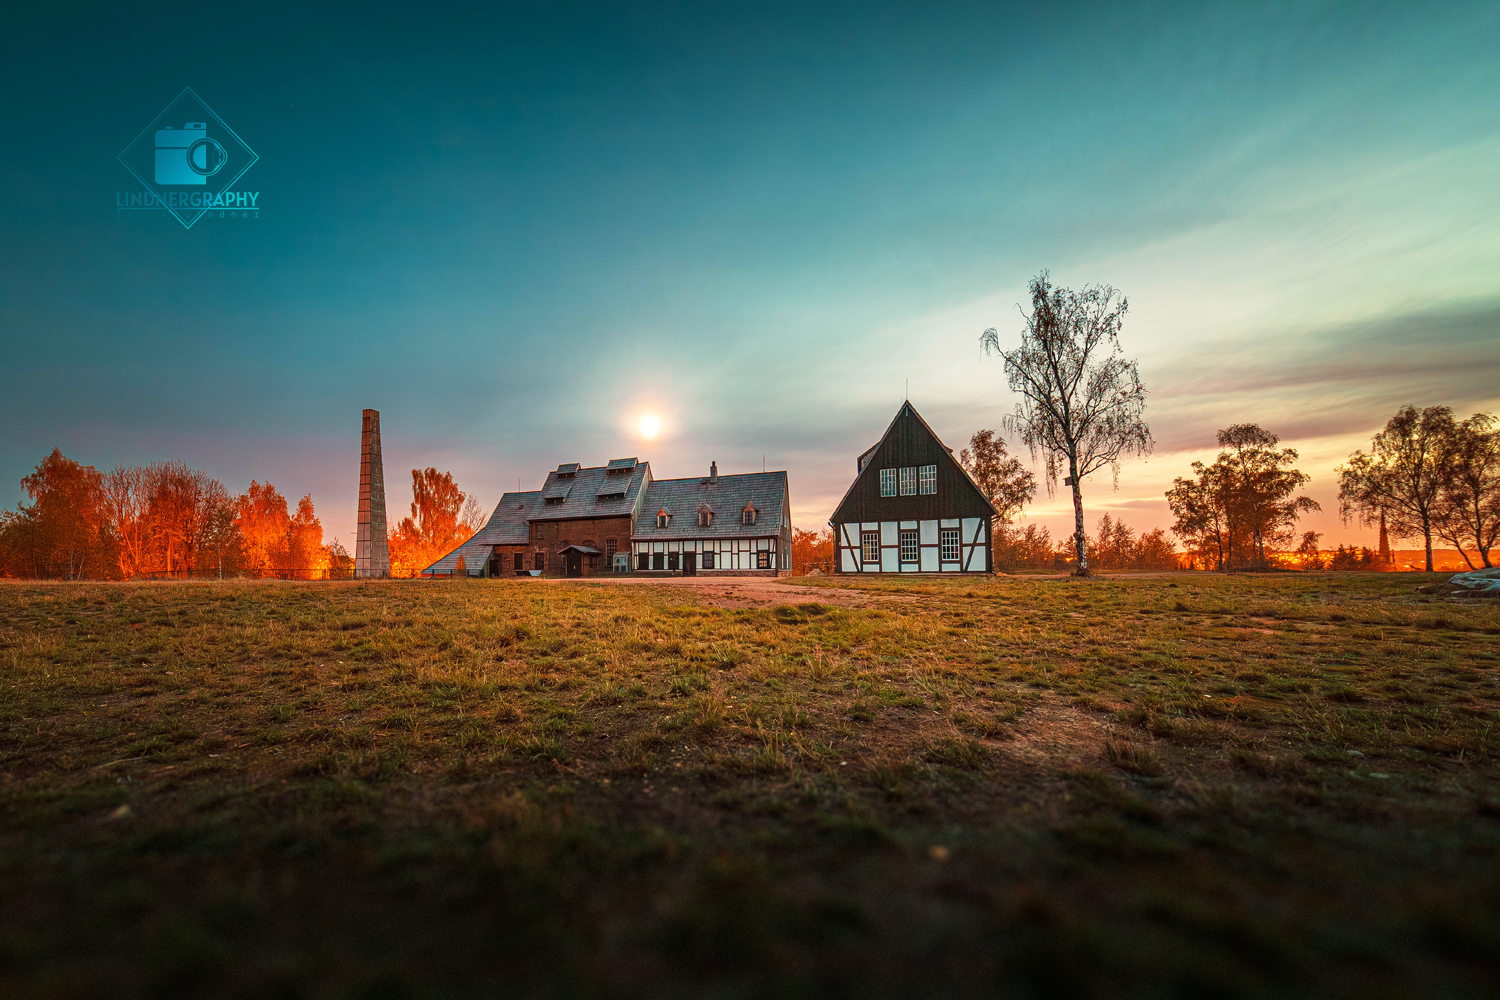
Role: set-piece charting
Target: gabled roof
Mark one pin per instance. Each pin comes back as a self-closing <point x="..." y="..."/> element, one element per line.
<point x="865" y="457"/>
<point x="508" y="525"/>
<point x="593" y="492"/>
<point x="683" y="498"/>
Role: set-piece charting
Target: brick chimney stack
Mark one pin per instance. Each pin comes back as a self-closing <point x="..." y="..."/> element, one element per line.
<point x="713" y="473"/>
<point x="372" y="558"/>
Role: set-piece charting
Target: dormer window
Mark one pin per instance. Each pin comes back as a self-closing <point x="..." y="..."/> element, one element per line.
<point x="663" y="518"/>
<point x="747" y="516"/>
<point x="705" y="517"/>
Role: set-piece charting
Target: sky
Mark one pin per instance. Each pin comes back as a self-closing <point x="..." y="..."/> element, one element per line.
<point x="516" y="229"/>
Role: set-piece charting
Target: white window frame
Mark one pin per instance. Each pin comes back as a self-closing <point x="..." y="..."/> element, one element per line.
<point x="927" y="476"/>
<point x="909" y="481"/>
<point x="949" y="544"/>
<point x="887" y="482"/>
<point x="869" y="546"/>
<point x="911" y="546"/>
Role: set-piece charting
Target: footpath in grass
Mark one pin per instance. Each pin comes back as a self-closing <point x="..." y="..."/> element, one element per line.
<point x="1184" y="785"/>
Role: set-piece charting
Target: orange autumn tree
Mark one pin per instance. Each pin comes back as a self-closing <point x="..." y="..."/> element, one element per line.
<point x="442" y="518"/>
<point x="263" y="522"/>
<point x="276" y="541"/>
<point x="812" y="549"/>
<point x="64" y="532"/>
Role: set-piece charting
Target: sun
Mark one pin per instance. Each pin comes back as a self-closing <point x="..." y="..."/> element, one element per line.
<point x="650" y="426"/>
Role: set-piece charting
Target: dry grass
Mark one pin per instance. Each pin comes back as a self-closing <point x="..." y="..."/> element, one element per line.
<point x="1188" y="784"/>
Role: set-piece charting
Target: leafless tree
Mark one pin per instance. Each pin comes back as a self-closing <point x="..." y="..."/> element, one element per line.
<point x="127" y="503"/>
<point x="1081" y="401"/>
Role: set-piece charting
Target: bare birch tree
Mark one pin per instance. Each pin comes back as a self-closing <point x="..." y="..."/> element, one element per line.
<point x="126" y="504"/>
<point x="1081" y="400"/>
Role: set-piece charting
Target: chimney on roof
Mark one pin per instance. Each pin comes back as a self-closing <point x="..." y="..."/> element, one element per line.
<point x="713" y="473"/>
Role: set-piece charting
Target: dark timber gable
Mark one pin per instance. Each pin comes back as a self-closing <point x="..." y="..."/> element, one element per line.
<point x="910" y="442"/>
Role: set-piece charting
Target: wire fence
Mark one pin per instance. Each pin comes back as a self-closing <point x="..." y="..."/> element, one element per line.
<point x="320" y="573"/>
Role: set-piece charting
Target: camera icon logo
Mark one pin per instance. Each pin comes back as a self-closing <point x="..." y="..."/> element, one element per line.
<point x="190" y="170"/>
<point x="186" y="155"/>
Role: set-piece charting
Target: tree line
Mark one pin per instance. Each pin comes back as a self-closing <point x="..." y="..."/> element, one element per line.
<point x="169" y="520"/>
<point x="1080" y="406"/>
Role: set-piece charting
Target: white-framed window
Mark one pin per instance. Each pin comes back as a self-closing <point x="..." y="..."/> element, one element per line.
<point x="909" y="481"/>
<point x="948" y="545"/>
<point x="662" y="517"/>
<point x="747" y="516"/>
<point x="887" y="482"/>
<point x="928" y="476"/>
<point x="869" y="543"/>
<point x="705" y="518"/>
<point x="762" y="560"/>
<point x="909" y="546"/>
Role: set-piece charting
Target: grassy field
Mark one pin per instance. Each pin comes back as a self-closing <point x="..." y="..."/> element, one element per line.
<point x="1184" y="786"/>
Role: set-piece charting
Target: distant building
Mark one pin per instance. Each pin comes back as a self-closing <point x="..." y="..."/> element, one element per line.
<point x="912" y="508"/>
<point x="615" y="518"/>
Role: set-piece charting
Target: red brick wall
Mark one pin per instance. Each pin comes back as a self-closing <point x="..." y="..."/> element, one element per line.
<point x="549" y="536"/>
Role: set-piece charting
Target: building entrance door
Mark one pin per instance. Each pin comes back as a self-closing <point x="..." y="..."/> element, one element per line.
<point x="690" y="564"/>
<point x="574" y="561"/>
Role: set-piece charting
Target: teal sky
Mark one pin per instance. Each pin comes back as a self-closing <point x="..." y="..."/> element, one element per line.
<point x="515" y="232"/>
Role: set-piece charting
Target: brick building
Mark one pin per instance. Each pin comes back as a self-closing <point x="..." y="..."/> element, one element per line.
<point x="615" y="518"/>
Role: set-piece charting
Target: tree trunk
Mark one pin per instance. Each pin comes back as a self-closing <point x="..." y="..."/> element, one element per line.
<point x="1427" y="537"/>
<point x="1080" y="542"/>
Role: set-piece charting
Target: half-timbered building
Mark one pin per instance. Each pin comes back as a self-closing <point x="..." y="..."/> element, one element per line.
<point x="912" y="508"/>
<point x="615" y="518"/>
<point x="718" y="525"/>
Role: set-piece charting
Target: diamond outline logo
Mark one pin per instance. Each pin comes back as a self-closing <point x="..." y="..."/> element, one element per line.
<point x="179" y="212"/>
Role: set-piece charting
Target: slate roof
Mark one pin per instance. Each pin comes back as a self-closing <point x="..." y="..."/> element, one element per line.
<point x="506" y="526"/>
<point x="727" y="498"/>
<point x="586" y="493"/>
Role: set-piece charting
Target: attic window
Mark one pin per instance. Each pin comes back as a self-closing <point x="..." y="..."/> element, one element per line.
<point x="662" y="518"/>
<point x="556" y="500"/>
<point x="705" y="517"/>
<point x="747" y="516"/>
